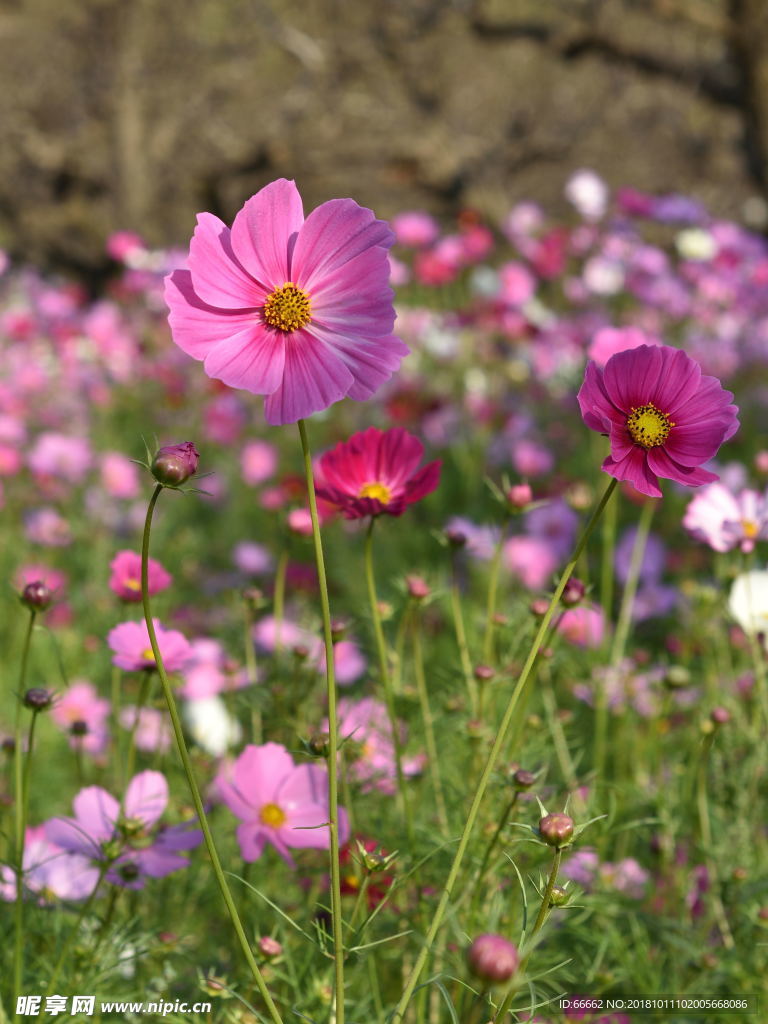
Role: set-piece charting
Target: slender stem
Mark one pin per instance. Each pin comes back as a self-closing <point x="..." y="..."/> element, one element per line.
<point x="333" y="732"/>
<point x="607" y="569"/>
<point x="278" y="603"/>
<point x="20" y="814"/>
<point x="492" y="846"/>
<point x="130" y="759"/>
<point x="461" y="639"/>
<point x="251" y="668"/>
<point x="359" y="901"/>
<point x="705" y="830"/>
<point x="76" y="927"/>
<point x="386" y="678"/>
<point x="493" y="586"/>
<point x="482" y="785"/>
<point x="429" y="729"/>
<point x="188" y="771"/>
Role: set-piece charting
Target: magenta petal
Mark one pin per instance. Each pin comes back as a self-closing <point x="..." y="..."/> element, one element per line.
<point x="423" y="483"/>
<point x="371" y="361"/>
<point x="661" y="463"/>
<point x="621" y="442"/>
<point x="217" y="276"/>
<point x="253" y="360"/>
<point x="679" y="380"/>
<point x="597" y="410"/>
<point x="306" y="784"/>
<point x="694" y="444"/>
<point x="632" y="376"/>
<point x="634" y="468"/>
<point x="196" y="326"/>
<point x="332" y="235"/>
<point x="264" y="232"/>
<point x="251" y="838"/>
<point x="146" y="797"/>
<point x="314" y="378"/>
<point x="71" y="835"/>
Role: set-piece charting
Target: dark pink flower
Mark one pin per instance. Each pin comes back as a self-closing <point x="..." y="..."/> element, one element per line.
<point x="133" y="652"/>
<point x="376" y="471"/>
<point x="297" y="310"/>
<point x="663" y="416"/>
<point x="278" y="802"/>
<point x="125" y="580"/>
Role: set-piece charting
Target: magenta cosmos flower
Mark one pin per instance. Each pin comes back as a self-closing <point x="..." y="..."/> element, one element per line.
<point x="663" y="416"/>
<point x="132" y="650"/>
<point x="376" y="471"/>
<point x="125" y="580"/>
<point x="278" y="802"/>
<point x="297" y="310"/>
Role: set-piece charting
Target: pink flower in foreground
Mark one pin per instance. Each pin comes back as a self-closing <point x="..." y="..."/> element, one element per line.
<point x="376" y="471"/>
<point x="663" y="416"/>
<point x="278" y="802"/>
<point x="125" y="580"/>
<point x="49" y="871"/>
<point x="297" y="310"/>
<point x="133" y="652"/>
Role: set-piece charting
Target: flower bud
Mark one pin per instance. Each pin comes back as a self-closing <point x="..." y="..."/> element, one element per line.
<point x="559" y="896"/>
<point x="492" y="958"/>
<point x="539" y="607"/>
<point x="556" y="830"/>
<point x="319" y="744"/>
<point x="339" y="629"/>
<point x="37" y="698"/>
<point x="519" y="495"/>
<point x="36" y="596"/>
<point x="573" y="593"/>
<point x="484" y="673"/>
<point x="720" y="716"/>
<point x="455" y="538"/>
<point x="418" y="588"/>
<point x="523" y="780"/>
<point x="175" y="464"/>
<point x="269" y="947"/>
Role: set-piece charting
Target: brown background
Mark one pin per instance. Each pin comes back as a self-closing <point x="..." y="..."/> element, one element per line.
<point x="138" y="113"/>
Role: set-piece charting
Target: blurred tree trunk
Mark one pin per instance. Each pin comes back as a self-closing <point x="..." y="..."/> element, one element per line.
<point x="129" y="127"/>
<point x="748" y="42"/>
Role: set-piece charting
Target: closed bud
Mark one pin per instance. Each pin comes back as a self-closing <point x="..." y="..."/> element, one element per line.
<point x="519" y="495"/>
<point x="492" y="958"/>
<point x="539" y="607"/>
<point x="36" y="596"/>
<point x="319" y="744"/>
<point x="720" y="716"/>
<point x="37" y="698"/>
<point x="418" y="588"/>
<point x="523" y="780"/>
<point x="559" y="896"/>
<point x="573" y="593"/>
<point x="269" y="947"/>
<point x="339" y="629"/>
<point x="79" y="728"/>
<point x="556" y="830"/>
<point x="484" y="673"/>
<point x="455" y="538"/>
<point x="174" y="464"/>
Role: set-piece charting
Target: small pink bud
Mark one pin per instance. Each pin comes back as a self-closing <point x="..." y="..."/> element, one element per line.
<point x="492" y="958"/>
<point x="720" y="716"/>
<point x="36" y="596"/>
<point x="556" y="830"/>
<point x="418" y="588"/>
<point x="300" y="522"/>
<point x="269" y="947"/>
<point x="519" y="495"/>
<point x="174" y="464"/>
<point x="484" y="673"/>
<point x="573" y="593"/>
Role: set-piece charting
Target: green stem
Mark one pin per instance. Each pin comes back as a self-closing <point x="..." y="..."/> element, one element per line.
<point x="278" y="605"/>
<point x="607" y="568"/>
<point x="493" y="586"/>
<point x="429" y="729"/>
<point x="251" y="669"/>
<point x="20" y="815"/>
<point x="705" y="830"/>
<point x="130" y="758"/>
<point x="461" y="639"/>
<point x="333" y="732"/>
<point x="188" y="771"/>
<point x="492" y="846"/>
<point x="498" y="744"/>
<point x="75" y="928"/>
<point x="386" y="678"/>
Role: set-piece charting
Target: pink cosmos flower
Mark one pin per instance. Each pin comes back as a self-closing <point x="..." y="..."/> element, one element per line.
<point x="366" y="724"/>
<point x="278" y="802"/>
<point x="583" y="626"/>
<point x="415" y="228"/>
<point x="663" y="416"/>
<point x="258" y="462"/>
<point x="152" y="733"/>
<point x="49" y="871"/>
<point x="376" y="471"/>
<point x="723" y="520"/>
<point x="125" y="580"/>
<point x="130" y="836"/>
<point x="532" y="560"/>
<point x="119" y="475"/>
<point x="46" y="527"/>
<point x="297" y="310"/>
<point x="133" y="652"/>
<point x="61" y="456"/>
<point x="83" y="714"/>
<point x="610" y="340"/>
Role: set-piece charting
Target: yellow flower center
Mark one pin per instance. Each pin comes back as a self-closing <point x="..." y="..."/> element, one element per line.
<point x="272" y="815"/>
<point x="376" y="490"/>
<point x="148" y="654"/>
<point x="648" y="425"/>
<point x="750" y="528"/>
<point x="287" y="308"/>
<point x="133" y="585"/>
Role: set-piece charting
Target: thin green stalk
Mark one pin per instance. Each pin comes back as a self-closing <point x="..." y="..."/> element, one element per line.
<point x="501" y="824"/>
<point x="130" y="758"/>
<point x="251" y="668"/>
<point x="20" y="815"/>
<point x="75" y="929"/>
<point x="188" y="771"/>
<point x="705" y="830"/>
<point x="498" y="744"/>
<point x="607" y="568"/>
<point x="429" y="729"/>
<point x="461" y="639"/>
<point x="333" y="732"/>
<point x="386" y="678"/>
<point x="493" y="586"/>
<point x="622" y="631"/>
<point x="278" y="605"/>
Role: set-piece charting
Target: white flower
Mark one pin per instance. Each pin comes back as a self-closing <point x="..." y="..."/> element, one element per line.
<point x="696" y="244"/>
<point x="748" y="601"/>
<point x="211" y="726"/>
<point x="588" y="193"/>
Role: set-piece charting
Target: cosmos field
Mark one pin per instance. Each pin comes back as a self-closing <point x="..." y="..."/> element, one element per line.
<point x="512" y="477"/>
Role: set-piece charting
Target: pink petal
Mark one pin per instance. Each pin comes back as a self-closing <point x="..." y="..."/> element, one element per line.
<point x="634" y="468"/>
<point x="621" y="442"/>
<point x="96" y="811"/>
<point x="314" y="378"/>
<point x="632" y="377"/>
<point x="195" y="326"/>
<point x="251" y="838"/>
<point x="265" y="230"/>
<point x="356" y="298"/>
<point x="332" y="235"/>
<point x="597" y="409"/>
<point x="71" y="835"/>
<point x="258" y="772"/>
<point x="695" y="443"/>
<point x="680" y="379"/>
<point x="307" y="784"/>
<point x="423" y="482"/>
<point x="146" y="797"/>
<point x="217" y="276"/>
<point x="253" y="359"/>
<point x="371" y="361"/>
<point x="661" y="463"/>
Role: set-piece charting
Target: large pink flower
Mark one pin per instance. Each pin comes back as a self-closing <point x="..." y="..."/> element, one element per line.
<point x="663" y="416"/>
<point x="132" y="650"/>
<point x="297" y="310"/>
<point x="278" y="802"/>
<point x="376" y="471"/>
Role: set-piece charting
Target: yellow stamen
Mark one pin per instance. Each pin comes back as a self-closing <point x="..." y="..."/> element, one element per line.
<point x="272" y="815"/>
<point x="287" y="308"/>
<point x="750" y="528"/>
<point x="148" y="654"/>
<point x="648" y="425"/>
<point x="376" y="490"/>
<point x="133" y="585"/>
